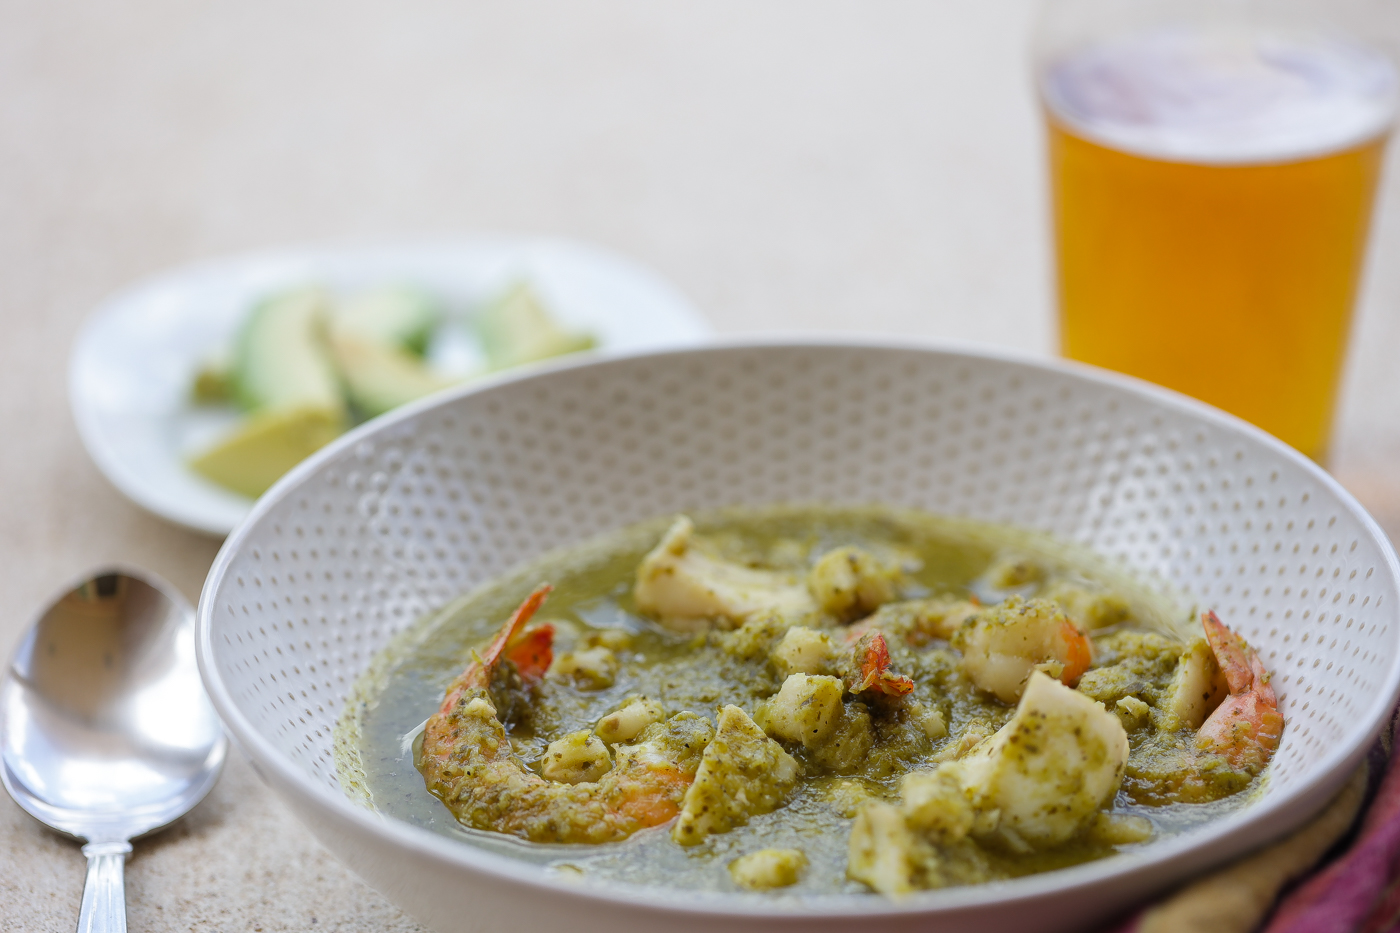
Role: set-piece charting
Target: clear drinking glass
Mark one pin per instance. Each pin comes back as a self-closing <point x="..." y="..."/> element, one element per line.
<point x="1213" y="167"/>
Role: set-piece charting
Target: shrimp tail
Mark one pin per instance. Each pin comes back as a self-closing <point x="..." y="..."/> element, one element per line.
<point x="872" y="662"/>
<point x="522" y="615"/>
<point x="1238" y="662"/>
<point x="531" y="655"/>
<point x="1078" y="653"/>
<point x="1245" y="728"/>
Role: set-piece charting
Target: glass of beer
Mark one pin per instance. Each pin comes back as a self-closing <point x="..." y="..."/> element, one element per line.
<point x="1213" y="167"/>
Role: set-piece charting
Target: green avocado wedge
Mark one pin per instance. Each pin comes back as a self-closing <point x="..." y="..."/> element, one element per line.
<point x="281" y="359"/>
<point x="517" y="329"/>
<point x="396" y="315"/>
<point x="266" y="445"/>
<point x="377" y="340"/>
<point x="283" y="376"/>
<point x="381" y="376"/>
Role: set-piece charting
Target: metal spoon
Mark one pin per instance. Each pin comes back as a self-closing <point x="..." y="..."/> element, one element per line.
<point x="105" y="729"/>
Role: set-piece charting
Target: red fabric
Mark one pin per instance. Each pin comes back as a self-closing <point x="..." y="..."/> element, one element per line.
<point x="1358" y="890"/>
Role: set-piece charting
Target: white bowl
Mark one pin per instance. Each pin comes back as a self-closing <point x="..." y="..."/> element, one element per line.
<point x="133" y="363"/>
<point x="409" y="511"/>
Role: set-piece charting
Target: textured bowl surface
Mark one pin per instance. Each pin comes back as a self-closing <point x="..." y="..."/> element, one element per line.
<point x="412" y="510"/>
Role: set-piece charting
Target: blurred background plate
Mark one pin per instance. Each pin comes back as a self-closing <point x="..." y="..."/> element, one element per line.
<point x="131" y="366"/>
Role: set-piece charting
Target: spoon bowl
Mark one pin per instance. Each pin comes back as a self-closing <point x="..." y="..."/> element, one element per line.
<point x="106" y="733"/>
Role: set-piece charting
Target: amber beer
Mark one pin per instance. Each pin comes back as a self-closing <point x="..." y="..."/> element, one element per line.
<point x="1212" y="197"/>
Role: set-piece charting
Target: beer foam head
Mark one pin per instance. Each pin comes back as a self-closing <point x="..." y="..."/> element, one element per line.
<point x="1196" y="96"/>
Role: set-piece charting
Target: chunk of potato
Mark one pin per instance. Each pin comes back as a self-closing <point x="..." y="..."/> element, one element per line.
<point x="614" y="639"/>
<point x="1132" y="712"/>
<point x="930" y="720"/>
<point x="768" y="868"/>
<point x="1119" y="829"/>
<point x="937" y="803"/>
<point x="756" y="636"/>
<point x="742" y="773"/>
<point x="849" y="582"/>
<point x="588" y="669"/>
<point x="576" y="758"/>
<point x="845" y="749"/>
<point x="625" y="724"/>
<point x="806" y="709"/>
<point x="847" y="797"/>
<point x="802" y="650"/>
<point x="880" y="851"/>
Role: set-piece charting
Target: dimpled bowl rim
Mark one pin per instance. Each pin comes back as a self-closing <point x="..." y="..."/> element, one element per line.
<point x="1151" y="867"/>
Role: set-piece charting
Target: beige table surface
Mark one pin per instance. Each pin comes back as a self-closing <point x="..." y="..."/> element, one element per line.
<point x="812" y="166"/>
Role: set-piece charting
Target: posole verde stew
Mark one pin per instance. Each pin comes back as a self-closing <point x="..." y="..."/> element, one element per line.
<point x="812" y="699"/>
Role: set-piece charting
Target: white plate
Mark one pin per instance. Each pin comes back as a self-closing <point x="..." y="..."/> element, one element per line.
<point x="132" y="364"/>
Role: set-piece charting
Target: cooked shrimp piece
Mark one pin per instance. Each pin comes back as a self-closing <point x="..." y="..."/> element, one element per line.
<point x="1197" y="687"/>
<point x="1222" y="681"/>
<point x="469" y="764"/>
<point x="530" y="653"/>
<point x="1246" y="726"/>
<point x="1090" y="608"/>
<point x="1052" y="767"/>
<point x="1003" y="645"/>
<point x="687" y="588"/>
<point x="1038" y="782"/>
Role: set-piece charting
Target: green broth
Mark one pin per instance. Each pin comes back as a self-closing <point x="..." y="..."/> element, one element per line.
<point x="375" y="739"/>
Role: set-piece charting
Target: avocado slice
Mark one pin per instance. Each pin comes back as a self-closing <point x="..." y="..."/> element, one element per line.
<point x="517" y="329"/>
<point x="398" y="316"/>
<point x="380" y="376"/>
<point x="281" y="359"/>
<point x="377" y="340"/>
<point x="266" y="445"/>
<point x="282" y="374"/>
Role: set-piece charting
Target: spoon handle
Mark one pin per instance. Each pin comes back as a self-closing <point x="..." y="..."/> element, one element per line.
<point x="104" y="893"/>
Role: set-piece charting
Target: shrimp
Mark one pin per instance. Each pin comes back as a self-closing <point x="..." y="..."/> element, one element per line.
<point x="1231" y="746"/>
<point x="469" y="764"/>
<point x="1245" y="727"/>
<point x="688" y="589"/>
<point x="1003" y="645"/>
<point x="1040" y="781"/>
